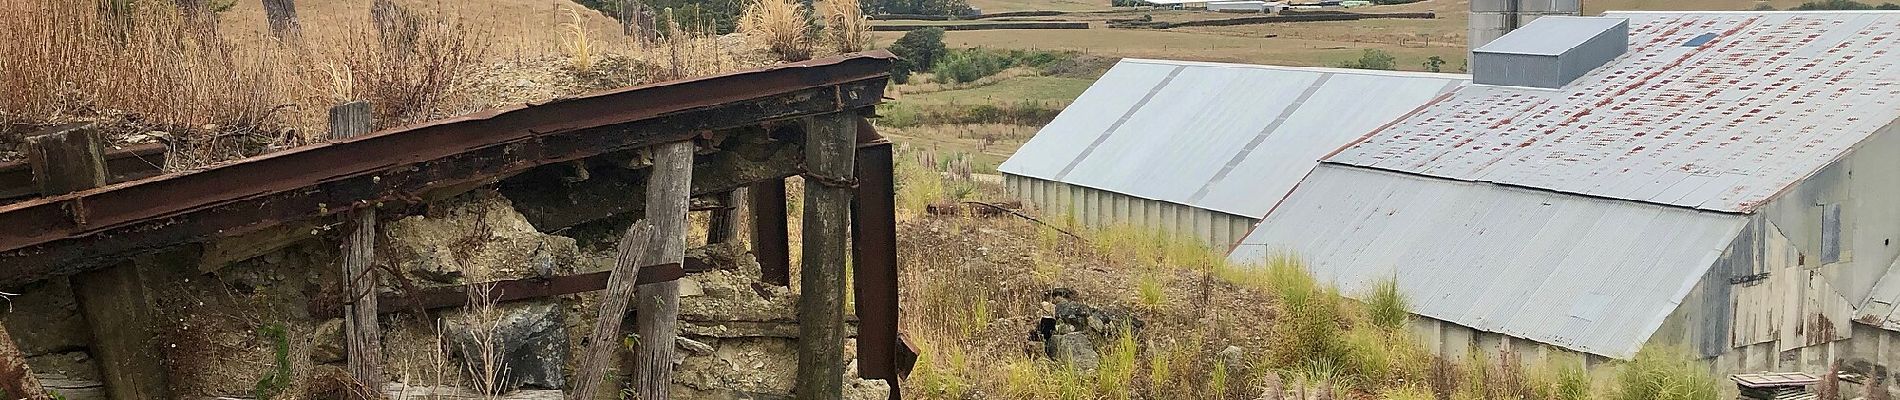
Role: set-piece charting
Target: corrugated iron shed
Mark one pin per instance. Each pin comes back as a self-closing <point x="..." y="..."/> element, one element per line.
<point x="1216" y="136"/>
<point x="1592" y="275"/>
<point x="1709" y="110"/>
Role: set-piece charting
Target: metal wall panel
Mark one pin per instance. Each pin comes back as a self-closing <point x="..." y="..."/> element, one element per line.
<point x="1098" y="209"/>
<point x="1591" y="275"/>
<point x="1549" y="52"/>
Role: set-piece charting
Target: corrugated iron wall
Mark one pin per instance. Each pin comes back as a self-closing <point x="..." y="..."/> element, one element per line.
<point x="1100" y="208"/>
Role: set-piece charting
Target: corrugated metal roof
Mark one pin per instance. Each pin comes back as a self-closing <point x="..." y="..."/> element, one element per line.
<point x="1723" y="126"/>
<point x="1215" y="136"/>
<point x="1587" y="274"/>
<point x="1550" y="36"/>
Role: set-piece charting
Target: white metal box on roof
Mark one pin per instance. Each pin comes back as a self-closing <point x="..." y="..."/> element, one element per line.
<point x="1591" y="275"/>
<point x="1215" y="137"/>
<point x="1550" y="52"/>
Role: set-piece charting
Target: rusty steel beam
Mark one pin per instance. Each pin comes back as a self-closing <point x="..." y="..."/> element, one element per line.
<point x="503" y="291"/>
<point x="62" y="235"/>
<point x="125" y="164"/>
<point x="771" y="232"/>
<point x="874" y="258"/>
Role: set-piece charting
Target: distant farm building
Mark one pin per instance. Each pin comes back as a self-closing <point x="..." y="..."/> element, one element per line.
<point x="1246" y="6"/>
<point x="1725" y="182"/>
<point x="1202" y="148"/>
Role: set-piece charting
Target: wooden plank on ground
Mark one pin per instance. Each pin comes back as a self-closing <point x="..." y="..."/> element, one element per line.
<point x="621" y="287"/>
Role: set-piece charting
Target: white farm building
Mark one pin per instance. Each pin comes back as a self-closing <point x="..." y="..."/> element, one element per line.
<point x="1725" y="182"/>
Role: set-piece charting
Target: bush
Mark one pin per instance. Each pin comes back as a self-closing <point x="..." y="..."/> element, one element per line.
<point x="919" y="7"/>
<point x="918" y="50"/>
<point x="1664" y="374"/>
<point x="1372" y="59"/>
<point x="970" y="65"/>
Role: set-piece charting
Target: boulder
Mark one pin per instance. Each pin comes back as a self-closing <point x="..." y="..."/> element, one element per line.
<point x="1076" y="349"/>
<point x="528" y="340"/>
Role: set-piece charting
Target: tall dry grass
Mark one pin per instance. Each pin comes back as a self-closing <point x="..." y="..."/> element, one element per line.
<point x="146" y="65"/>
<point x="846" y="27"/>
<point x="781" y="26"/>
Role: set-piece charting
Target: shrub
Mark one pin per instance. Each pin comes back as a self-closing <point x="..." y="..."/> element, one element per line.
<point x="969" y="65"/>
<point x="1372" y="59"/>
<point x="919" y="7"/>
<point x="1662" y="373"/>
<point x="917" y="50"/>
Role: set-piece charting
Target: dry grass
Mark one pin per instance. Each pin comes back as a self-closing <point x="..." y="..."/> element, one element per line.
<point x="782" y="26"/>
<point x="846" y="26"/>
<point x="578" y="42"/>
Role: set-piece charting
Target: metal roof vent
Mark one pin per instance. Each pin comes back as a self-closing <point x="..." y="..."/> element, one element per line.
<point x="1550" y="52"/>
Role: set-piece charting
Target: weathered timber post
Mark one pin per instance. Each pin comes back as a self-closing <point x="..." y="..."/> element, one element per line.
<point x="830" y="147"/>
<point x="283" y="18"/>
<point x="723" y="225"/>
<point x="621" y="288"/>
<point x="874" y="261"/>
<point x="669" y="190"/>
<point x="770" y="231"/>
<point x="364" y="341"/>
<point x="114" y="300"/>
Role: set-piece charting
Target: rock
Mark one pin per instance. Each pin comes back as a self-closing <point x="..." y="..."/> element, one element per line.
<point x="45" y="319"/>
<point x="74" y="365"/>
<point x="328" y="342"/>
<point x="1102" y="322"/>
<point x="530" y="341"/>
<point x="694" y="346"/>
<point x="1232" y="356"/>
<point x="1076" y="350"/>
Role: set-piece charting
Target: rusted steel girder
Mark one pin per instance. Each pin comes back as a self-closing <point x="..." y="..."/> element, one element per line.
<point x="67" y="234"/>
<point x="874" y="258"/>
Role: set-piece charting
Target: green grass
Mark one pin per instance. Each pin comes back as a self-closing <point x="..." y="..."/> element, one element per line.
<point x="1006" y="91"/>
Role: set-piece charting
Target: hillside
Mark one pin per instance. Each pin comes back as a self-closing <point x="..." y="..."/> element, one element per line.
<point x="516" y="26"/>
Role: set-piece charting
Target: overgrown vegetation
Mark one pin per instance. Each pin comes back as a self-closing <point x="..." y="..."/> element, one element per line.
<point x="277" y="377"/>
<point x="1294" y="337"/>
<point x="919" y="7"/>
<point x="917" y="50"/>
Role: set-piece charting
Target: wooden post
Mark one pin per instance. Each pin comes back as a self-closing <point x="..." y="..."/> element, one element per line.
<point x="770" y="231"/>
<point x="669" y="189"/>
<point x="114" y="300"/>
<point x="67" y="159"/>
<point x="364" y="335"/>
<point x="613" y="308"/>
<point x="830" y="148"/>
<point x="723" y="225"/>
<point x="283" y="18"/>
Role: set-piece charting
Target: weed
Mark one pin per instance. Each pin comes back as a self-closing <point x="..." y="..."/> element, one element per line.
<point x="1150" y="289"/>
<point x="1663" y="373"/>
<point x="576" y="40"/>
<point x="1114" y="378"/>
<point x="1386" y="306"/>
<point x="277" y="378"/>
<point x="1217" y="381"/>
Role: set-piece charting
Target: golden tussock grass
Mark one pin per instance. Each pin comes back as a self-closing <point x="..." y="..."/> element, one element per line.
<point x="782" y="26"/>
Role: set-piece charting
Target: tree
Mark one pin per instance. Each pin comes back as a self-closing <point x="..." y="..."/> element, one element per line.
<point x="920" y="7"/>
<point x="918" y="50"/>
<point x="1372" y="59"/>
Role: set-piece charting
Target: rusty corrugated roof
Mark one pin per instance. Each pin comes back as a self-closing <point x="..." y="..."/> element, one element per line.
<point x="1715" y="111"/>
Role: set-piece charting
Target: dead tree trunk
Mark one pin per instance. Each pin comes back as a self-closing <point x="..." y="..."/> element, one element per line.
<point x="621" y="288"/>
<point x="364" y="344"/>
<point x="669" y="189"/>
<point x="283" y="18"/>
<point x="830" y="148"/>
